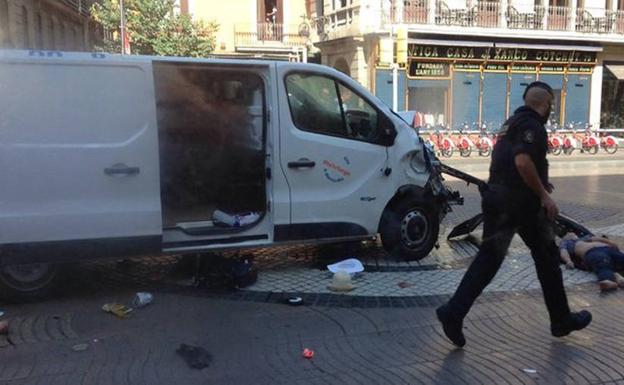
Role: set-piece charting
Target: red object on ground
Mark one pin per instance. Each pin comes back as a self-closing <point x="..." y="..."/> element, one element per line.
<point x="307" y="353"/>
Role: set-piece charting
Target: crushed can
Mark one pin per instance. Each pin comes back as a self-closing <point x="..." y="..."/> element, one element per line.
<point x="142" y="299"/>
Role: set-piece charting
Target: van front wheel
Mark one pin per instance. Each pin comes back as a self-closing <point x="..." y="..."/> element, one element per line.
<point x="409" y="229"/>
<point x="28" y="283"/>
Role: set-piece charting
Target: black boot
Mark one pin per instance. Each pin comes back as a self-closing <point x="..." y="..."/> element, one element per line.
<point x="452" y="327"/>
<point x="572" y="322"/>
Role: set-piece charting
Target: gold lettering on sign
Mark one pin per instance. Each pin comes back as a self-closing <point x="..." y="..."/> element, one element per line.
<point x="460" y="53"/>
<point x="422" y="51"/>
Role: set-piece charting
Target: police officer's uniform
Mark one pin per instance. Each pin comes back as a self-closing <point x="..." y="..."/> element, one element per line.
<point x="510" y="206"/>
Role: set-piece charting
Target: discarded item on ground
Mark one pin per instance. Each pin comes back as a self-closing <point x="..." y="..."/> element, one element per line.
<point x="236" y="220"/>
<point x="1" y="313"/>
<point x="341" y="282"/>
<point x="195" y="357"/>
<point x="80" y="347"/>
<point x="117" y="309"/>
<point x="294" y="301"/>
<point x="307" y="353"/>
<point x="214" y="270"/>
<point x="142" y="299"/>
<point x="404" y="285"/>
<point x="350" y="266"/>
<point x="243" y="272"/>
<point x="4" y="327"/>
<point x="530" y="371"/>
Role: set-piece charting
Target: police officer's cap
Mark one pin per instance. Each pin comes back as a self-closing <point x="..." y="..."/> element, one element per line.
<point x="538" y="84"/>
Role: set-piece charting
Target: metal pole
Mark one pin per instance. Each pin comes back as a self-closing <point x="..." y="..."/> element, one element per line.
<point x="395" y="87"/>
<point x="122" y="27"/>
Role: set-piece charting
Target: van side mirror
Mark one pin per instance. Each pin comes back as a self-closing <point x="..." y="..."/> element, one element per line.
<point x="387" y="133"/>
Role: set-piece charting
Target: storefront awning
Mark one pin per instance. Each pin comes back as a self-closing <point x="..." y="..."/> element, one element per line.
<point x="617" y="70"/>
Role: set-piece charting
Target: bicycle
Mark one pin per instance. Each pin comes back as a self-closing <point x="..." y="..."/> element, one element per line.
<point x="484" y="144"/>
<point x="589" y="142"/>
<point x="609" y="144"/>
<point x="464" y="144"/>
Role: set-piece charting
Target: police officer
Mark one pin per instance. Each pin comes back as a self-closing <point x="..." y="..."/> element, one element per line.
<point x="517" y="199"/>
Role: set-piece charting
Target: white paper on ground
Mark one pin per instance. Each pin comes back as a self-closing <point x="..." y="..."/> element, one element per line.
<point x="350" y="266"/>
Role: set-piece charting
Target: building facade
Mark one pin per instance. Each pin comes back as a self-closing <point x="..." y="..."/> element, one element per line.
<point x="465" y="63"/>
<point x="277" y="29"/>
<point x="47" y="24"/>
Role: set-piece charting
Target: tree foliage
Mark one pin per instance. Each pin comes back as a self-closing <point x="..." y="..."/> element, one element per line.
<point x="154" y="28"/>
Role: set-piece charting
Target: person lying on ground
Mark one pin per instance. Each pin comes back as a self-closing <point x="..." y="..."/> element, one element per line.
<point x="597" y="254"/>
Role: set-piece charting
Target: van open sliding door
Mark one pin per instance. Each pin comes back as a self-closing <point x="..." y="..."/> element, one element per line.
<point x="212" y="127"/>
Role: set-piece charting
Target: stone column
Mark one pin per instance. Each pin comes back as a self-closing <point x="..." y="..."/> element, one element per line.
<point x="544" y="4"/>
<point x="502" y="12"/>
<point x="431" y="10"/>
<point x="573" y="4"/>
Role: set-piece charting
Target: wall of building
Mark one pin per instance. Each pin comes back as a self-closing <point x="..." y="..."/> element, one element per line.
<point x="44" y="24"/>
<point x="242" y="15"/>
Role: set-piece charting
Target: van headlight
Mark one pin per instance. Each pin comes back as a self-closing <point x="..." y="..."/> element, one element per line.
<point x="417" y="162"/>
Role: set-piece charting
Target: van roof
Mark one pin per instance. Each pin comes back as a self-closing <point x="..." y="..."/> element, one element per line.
<point x="101" y="56"/>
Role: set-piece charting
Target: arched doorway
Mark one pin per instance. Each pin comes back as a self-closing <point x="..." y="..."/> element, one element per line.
<point x="342" y="66"/>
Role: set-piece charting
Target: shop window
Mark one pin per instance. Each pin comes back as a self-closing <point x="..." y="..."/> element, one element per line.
<point x="466" y="89"/>
<point x="577" y="99"/>
<point x="494" y="106"/>
<point x="518" y="84"/>
<point x="429" y="98"/>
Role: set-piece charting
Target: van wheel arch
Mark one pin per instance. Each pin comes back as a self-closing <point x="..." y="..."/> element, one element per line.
<point x="29" y="283"/>
<point x="410" y="223"/>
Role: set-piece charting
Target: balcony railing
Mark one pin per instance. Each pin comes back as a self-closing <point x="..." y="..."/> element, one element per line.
<point x="525" y="18"/>
<point x="488" y="14"/>
<point x="267" y="34"/>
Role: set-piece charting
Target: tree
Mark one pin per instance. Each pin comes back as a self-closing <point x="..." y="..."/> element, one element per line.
<point x="154" y="28"/>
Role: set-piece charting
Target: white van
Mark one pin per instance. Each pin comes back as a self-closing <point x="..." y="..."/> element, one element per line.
<point x="107" y="156"/>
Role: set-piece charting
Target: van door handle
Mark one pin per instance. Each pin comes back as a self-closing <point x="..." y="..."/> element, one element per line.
<point x="121" y="169"/>
<point x="302" y="163"/>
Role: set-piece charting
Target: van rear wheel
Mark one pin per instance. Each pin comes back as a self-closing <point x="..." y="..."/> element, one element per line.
<point x="409" y="229"/>
<point x="28" y="283"/>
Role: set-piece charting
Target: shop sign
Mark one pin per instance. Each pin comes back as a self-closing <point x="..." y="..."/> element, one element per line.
<point x="552" y="68"/>
<point x="580" y="69"/>
<point x="467" y="66"/>
<point x="500" y="54"/>
<point x="496" y="67"/>
<point x="419" y="69"/>
<point x="524" y="68"/>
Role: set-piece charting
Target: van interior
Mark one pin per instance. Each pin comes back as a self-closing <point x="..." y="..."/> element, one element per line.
<point x="211" y="129"/>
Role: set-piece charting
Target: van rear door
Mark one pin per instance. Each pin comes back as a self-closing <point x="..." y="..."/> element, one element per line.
<point x="78" y="153"/>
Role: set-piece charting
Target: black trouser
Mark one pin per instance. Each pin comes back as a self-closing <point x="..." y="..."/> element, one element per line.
<point x="507" y="211"/>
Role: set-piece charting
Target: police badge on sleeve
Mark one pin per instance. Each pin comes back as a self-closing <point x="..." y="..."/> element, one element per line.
<point x="528" y="136"/>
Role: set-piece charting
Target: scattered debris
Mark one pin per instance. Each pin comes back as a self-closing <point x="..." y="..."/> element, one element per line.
<point x="404" y="285"/>
<point x="1" y="313"/>
<point x="80" y="347"/>
<point x="294" y="301"/>
<point x="530" y="371"/>
<point x="117" y="309"/>
<point x="237" y="220"/>
<point x="4" y="327"/>
<point x="196" y="357"/>
<point x="307" y="353"/>
<point x="351" y="266"/>
<point x="341" y="282"/>
<point x="142" y="299"/>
